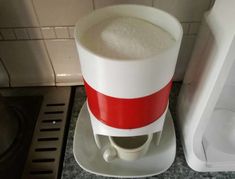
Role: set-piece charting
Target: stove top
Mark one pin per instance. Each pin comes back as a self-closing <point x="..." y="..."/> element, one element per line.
<point x="27" y="109"/>
<point x="37" y="150"/>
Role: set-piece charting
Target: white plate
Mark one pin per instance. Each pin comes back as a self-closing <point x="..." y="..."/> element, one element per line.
<point x="89" y="157"/>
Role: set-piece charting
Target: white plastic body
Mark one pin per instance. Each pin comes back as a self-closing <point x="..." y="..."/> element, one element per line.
<point x="100" y="128"/>
<point x="129" y="78"/>
<point x="204" y="92"/>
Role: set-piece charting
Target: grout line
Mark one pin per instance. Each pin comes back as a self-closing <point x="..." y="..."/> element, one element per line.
<point x="26" y="30"/>
<point x="190" y="22"/>
<point x="41" y="27"/>
<point x="18" y="27"/>
<point x="1" y="36"/>
<point x="93" y="4"/>
<point x="69" y="37"/>
<point x="67" y="29"/>
<point x="8" y="74"/>
<point x="45" y="46"/>
<point x="14" y="34"/>
<point x="54" y="30"/>
<point x="16" y="40"/>
<point x="30" y="38"/>
<point x="187" y="26"/>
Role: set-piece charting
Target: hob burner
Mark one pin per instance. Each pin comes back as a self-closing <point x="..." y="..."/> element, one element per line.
<point x="40" y="116"/>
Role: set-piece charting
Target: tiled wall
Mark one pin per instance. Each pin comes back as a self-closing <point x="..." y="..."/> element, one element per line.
<point x="49" y="25"/>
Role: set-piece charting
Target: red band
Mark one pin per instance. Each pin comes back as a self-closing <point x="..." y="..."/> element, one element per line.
<point x="127" y="113"/>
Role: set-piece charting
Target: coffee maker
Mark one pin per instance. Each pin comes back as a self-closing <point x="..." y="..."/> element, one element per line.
<point x="126" y="99"/>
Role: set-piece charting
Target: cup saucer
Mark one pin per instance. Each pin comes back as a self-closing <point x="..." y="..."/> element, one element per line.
<point x="89" y="157"/>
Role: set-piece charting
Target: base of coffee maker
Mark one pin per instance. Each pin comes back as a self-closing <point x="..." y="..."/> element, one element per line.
<point x="158" y="159"/>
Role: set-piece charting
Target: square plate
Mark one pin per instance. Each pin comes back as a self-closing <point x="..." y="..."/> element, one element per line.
<point x="89" y="157"/>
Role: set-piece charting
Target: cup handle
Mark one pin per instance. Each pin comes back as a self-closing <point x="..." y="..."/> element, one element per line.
<point x="158" y="138"/>
<point x="110" y="154"/>
<point x="97" y="141"/>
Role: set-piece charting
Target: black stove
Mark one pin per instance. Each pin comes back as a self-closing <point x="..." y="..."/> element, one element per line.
<point x="26" y="109"/>
<point x="41" y="115"/>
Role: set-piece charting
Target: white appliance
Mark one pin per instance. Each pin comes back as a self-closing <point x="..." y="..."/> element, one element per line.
<point x="206" y="106"/>
<point x="117" y="90"/>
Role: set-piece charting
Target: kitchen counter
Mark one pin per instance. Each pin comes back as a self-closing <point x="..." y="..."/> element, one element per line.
<point x="179" y="168"/>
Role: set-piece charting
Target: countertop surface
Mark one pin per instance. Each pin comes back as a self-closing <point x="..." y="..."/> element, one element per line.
<point x="179" y="168"/>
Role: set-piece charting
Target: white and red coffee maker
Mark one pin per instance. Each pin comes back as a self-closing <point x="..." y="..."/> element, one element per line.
<point x="126" y="98"/>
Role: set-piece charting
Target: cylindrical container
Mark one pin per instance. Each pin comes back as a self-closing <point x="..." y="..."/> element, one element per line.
<point x="128" y="94"/>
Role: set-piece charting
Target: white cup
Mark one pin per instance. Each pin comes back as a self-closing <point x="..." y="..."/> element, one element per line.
<point x="127" y="148"/>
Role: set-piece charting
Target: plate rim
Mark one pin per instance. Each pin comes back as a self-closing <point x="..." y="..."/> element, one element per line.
<point x="121" y="176"/>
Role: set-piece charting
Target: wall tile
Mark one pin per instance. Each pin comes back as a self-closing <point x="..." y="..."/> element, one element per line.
<point x="18" y="13"/>
<point x="27" y="62"/>
<point x="8" y="34"/>
<point x="21" y="34"/>
<point x="48" y="32"/>
<point x="186" y="49"/>
<point x="34" y="33"/>
<point x="61" y="32"/>
<point x="194" y="28"/>
<point x="65" y="61"/>
<point x="71" y="32"/>
<point x="102" y="3"/>
<point x="184" y="10"/>
<point x="61" y="12"/>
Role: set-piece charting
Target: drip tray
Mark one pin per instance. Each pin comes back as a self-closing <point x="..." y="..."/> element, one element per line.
<point x="218" y="141"/>
<point x="44" y="154"/>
